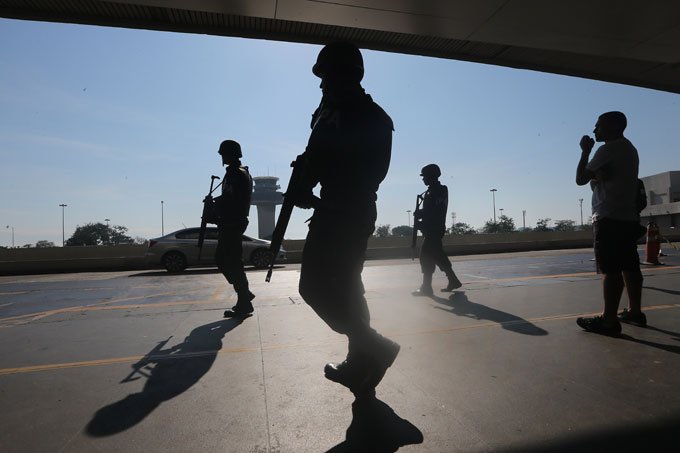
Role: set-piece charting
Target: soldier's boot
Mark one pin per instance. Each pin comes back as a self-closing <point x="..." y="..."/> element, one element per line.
<point x="362" y="372"/>
<point x="244" y="306"/>
<point x="426" y="287"/>
<point x="454" y="283"/>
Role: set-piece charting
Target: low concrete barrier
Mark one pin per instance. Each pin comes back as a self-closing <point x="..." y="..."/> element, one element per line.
<point x="131" y="257"/>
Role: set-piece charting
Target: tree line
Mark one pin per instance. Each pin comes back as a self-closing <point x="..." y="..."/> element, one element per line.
<point x="94" y="234"/>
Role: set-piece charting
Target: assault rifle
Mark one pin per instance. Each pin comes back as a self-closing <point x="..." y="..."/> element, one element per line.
<point x="299" y="166"/>
<point x="416" y="224"/>
<point x="149" y="357"/>
<point x="208" y="215"/>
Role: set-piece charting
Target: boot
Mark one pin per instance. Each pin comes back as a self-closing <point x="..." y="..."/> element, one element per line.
<point x="426" y="287"/>
<point x="454" y="283"/>
<point x="243" y="307"/>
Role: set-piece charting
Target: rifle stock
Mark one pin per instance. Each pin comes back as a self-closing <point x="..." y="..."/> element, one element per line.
<point x="207" y="207"/>
<point x="416" y="225"/>
<point x="285" y="213"/>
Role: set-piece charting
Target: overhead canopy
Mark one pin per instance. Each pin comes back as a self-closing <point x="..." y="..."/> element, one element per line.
<point x="625" y="41"/>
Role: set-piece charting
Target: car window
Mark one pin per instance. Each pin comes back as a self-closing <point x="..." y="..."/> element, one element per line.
<point x="188" y="234"/>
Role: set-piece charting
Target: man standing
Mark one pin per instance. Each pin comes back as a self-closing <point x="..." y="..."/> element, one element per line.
<point x="613" y="175"/>
<point x="232" y="209"/>
<point x="431" y="221"/>
<point x="348" y="154"/>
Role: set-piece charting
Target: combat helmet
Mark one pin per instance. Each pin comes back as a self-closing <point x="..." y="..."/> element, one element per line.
<point x="341" y="59"/>
<point x="431" y="170"/>
<point x="230" y="148"/>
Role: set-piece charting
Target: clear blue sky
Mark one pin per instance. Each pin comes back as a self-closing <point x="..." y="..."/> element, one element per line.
<point x="112" y="121"/>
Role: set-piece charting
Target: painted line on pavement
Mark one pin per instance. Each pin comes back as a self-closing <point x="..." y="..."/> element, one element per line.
<point x="174" y="356"/>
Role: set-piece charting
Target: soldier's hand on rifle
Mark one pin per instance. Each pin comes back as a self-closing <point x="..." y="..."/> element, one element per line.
<point x="305" y="200"/>
<point x="207" y="198"/>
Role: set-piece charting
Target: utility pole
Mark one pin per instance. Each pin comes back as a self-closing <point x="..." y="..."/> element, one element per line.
<point x="162" y="220"/>
<point x="63" y="241"/>
<point x="580" y="202"/>
<point x="493" y="195"/>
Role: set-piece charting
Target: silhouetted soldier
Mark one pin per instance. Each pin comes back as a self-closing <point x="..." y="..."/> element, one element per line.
<point x="348" y="154"/>
<point x="233" y="207"/>
<point x="431" y="221"/>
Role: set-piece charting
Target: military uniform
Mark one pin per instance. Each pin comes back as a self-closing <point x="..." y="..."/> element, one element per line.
<point x="433" y="226"/>
<point x="233" y="207"/>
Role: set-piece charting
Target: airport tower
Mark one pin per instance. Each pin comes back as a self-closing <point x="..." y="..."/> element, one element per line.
<point x="266" y="196"/>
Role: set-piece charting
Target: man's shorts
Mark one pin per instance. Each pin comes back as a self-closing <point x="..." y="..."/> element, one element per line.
<point x="615" y="244"/>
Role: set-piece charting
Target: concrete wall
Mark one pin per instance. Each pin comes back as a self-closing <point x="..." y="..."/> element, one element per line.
<point x="130" y="257"/>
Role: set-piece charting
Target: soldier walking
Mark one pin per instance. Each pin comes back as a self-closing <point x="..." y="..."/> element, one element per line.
<point x="348" y="154"/>
<point x="233" y="207"/>
<point x="431" y="221"/>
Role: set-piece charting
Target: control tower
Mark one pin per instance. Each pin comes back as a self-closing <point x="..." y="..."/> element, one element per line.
<point x="266" y="197"/>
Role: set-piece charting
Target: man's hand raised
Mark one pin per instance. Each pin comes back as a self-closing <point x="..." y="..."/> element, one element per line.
<point x="587" y="144"/>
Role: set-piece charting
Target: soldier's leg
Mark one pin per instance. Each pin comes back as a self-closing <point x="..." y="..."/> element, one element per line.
<point x="232" y="268"/>
<point x="427" y="266"/>
<point x="443" y="262"/>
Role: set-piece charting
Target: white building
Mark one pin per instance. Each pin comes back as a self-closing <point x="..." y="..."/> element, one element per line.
<point x="663" y="199"/>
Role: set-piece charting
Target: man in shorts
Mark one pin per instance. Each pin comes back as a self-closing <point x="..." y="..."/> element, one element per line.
<point x="613" y="175"/>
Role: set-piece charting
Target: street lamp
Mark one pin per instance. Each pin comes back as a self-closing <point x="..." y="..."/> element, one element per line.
<point x="580" y="202"/>
<point x="63" y="242"/>
<point x="12" y="234"/>
<point x="493" y="195"/>
<point x="162" y="220"/>
<point x="408" y="213"/>
<point x="107" y="223"/>
<point x="524" y="219"/>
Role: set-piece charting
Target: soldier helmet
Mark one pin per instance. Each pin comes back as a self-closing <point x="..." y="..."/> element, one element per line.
<point x="340" y="59"/>
<point x="230" y="148"/>
<point x="431" y="170"/>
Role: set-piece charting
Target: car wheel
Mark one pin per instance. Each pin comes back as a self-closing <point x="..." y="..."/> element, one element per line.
<point x="174" y="262"/>
<point x="261" y="258"/>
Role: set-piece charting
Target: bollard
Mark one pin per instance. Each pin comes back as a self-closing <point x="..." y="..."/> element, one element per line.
<point x="653" y="245"/>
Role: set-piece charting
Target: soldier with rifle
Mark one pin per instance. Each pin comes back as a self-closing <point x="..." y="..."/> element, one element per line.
<point x="431" y="221"/>
<point x="230" y="213"/>
<point x="348" y="155"/>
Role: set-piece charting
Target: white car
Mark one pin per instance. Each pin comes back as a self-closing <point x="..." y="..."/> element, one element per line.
<point x="178" y="250"/>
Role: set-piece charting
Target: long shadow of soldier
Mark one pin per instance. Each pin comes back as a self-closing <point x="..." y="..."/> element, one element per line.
<point x="460" y="305"/>
<point x="169" y="373"/>
<point x="377" y="428"/>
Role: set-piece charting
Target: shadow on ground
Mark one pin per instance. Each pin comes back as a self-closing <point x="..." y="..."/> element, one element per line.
<point x="460" y="305"/>
<point x="377" y="428"/>
<point x="169" y="373"/>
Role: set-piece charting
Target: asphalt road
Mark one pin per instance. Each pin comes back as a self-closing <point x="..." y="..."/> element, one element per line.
<point x="143" y="361"/>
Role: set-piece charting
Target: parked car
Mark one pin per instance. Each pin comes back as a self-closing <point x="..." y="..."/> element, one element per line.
<point x="178" y="250"/>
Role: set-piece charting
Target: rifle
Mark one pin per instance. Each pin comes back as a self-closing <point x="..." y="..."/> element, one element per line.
<point x="207" y="216"/>
<point x="299" y="167"/>
<point x="416" y="224"/>
<point x="144" y="361"/>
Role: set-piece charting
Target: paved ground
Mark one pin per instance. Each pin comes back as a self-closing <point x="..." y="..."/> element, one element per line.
<point x="143" y="361"/>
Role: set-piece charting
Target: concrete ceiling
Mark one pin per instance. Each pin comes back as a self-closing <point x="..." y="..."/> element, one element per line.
<point x="625" y="41"/>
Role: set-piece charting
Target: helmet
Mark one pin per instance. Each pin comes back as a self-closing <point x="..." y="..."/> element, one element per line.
<point x="431" y="170"/>
<point x="340" y="58"/>
<point x="231" y="148"/>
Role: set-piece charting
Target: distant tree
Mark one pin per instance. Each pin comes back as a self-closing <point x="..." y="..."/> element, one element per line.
<point x="504" y="225"/>
<point x="542" y="225"/>
<point x="565" y="225"/>
<point x="461" y="228"/>
<point x="27" y="246"/>
<point x="138" y="240"/>
<point x="99" y="234"/>
<point x="402" y="230"/>
<point x="44" y="244"/>
<point x="382" y="231"/>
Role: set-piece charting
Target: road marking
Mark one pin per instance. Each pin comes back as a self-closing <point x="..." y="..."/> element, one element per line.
<point x="188" y="355"/>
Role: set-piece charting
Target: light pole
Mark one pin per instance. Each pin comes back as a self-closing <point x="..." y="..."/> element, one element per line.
<point x="63" y="241"/>
<point x="580" y="202"/>
<point x="493" y="196"/>
<point x="12" y="234"/>
<point x="501" y="209"/>
<point x="524" y="219"/>
<point x="107" y="223"/>
<point x="162" y="220"/>
<point x="408" y="213"/>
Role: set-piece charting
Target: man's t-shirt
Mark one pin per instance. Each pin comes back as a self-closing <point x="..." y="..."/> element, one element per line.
<point x="615" y="165"/>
